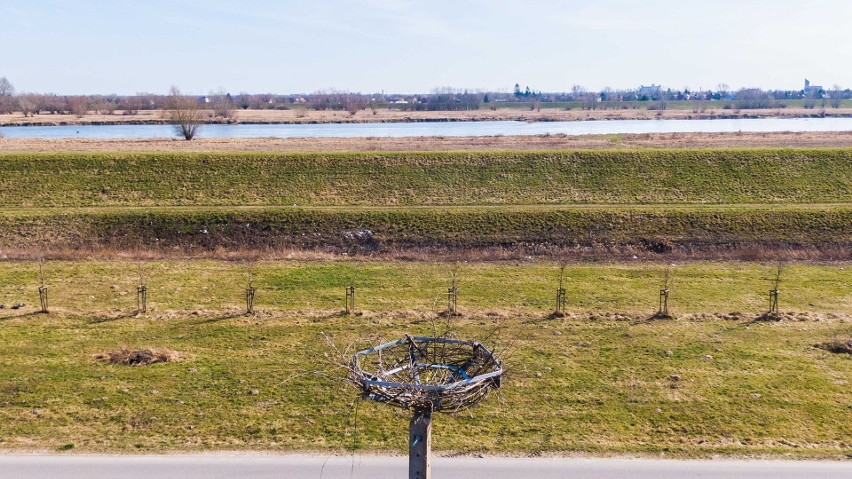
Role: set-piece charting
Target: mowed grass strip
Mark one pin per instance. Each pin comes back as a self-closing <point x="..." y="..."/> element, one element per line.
<point x="380" y="229"/>
<point x="689" y="388"/>
<point x="431" y="178"/>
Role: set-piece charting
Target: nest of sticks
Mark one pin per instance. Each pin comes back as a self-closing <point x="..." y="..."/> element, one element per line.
<point x="426" y="373"/>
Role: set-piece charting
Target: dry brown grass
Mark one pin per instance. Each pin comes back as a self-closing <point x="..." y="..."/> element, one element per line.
<point x="139" y="357"/>
<point x="484" y="143"/>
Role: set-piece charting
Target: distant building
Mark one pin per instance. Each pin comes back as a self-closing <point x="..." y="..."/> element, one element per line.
<point x="811" y="91"/>
<point x="648" y="91"/>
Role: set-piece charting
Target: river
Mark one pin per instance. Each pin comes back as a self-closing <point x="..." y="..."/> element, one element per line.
<point x="422" y="129"/>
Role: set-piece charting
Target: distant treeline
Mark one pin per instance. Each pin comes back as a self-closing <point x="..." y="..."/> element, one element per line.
<point x="224" y="103"/>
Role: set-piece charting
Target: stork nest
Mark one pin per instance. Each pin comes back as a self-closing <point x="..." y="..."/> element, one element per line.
<point x="425" y="373"/>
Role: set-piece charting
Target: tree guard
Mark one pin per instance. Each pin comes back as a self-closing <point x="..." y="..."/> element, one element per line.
<point x="42" y="290"/>
<point x="350" y="300"/>
<point x="560" y="294"/>
<point x="773" y="293"/>
<point x="141" y="294"/>
<point x="425" y="375"/>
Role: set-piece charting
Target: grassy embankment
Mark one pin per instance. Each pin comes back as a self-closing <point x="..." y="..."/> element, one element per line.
<point x="777" y="176"/>
<point x="655" y="199"/>
<point x="591" y="382"/>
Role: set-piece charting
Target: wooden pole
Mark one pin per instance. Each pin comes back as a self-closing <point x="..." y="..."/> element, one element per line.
<point x="420" y="445"/>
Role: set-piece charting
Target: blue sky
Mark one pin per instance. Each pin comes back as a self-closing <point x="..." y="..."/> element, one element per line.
<point x="125" y="46"/>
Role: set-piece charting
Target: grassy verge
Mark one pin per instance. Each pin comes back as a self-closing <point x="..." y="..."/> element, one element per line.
<point x="693" y="387"/>
<point x="433" y="178"/>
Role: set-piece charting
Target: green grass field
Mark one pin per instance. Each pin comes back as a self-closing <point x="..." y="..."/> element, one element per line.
<point x="603" y="380"/>
<point x="696" y="386"/>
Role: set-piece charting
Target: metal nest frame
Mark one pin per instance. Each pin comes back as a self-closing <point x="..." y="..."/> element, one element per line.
<point x="426" y="373"/>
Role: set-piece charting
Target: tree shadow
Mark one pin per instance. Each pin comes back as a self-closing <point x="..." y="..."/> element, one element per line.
<point x="763" y="318"/>
<point x="547" y="317"/>
<point x="223" y="317"/>
<point x="108" y="319"/>
<point x="653" y="318"/>
<point x="341" y="314"/>
<point x="22" y="315"/>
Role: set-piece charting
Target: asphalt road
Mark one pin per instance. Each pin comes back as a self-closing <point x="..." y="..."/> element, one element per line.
<point x="373" y="467"/>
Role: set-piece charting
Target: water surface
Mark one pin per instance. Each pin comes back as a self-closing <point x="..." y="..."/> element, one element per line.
<point x="423" y="129"/>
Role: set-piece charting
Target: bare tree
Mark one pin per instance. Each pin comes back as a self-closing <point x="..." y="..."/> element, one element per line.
<point x="78" y="105"/>
<point x="222" y="103"/>
<point x="106" y="106"/>
<point x="50" y="103"/>
<point x="836" y="96"/>
<point x="184" y="113"/>
<point x="132" y="104"/>
<point x="29" y="104"/>
<point x="590" y="101"/>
